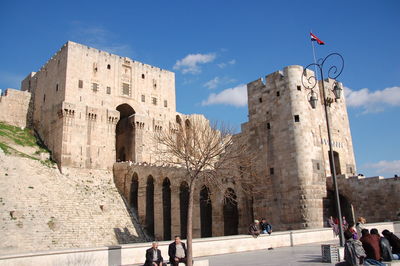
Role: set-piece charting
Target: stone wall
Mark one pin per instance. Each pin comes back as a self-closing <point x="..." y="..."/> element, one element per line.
<point x="375" y="198"/>
<point x="14" y="107"/>
<point x="126" y="173"/>
<point x="41" y="209"/>
<point x="291" y="140"/>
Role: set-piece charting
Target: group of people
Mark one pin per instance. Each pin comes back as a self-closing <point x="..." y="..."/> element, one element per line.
<point x="176" y="251"/>
<point x="257" y="228"/>
<point x="368" y="247"/>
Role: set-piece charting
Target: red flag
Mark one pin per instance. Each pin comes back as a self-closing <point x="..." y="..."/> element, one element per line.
<point x="315" y="38"/>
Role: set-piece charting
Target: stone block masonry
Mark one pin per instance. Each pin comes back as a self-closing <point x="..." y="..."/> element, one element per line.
<point x="14" y="107"/>
<point x="41" y="209"/>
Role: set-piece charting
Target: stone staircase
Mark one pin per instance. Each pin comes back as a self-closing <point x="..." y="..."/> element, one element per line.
<point x="42" y="209"/>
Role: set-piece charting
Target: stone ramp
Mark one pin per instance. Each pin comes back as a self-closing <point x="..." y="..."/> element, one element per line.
<point x="42" y="209"/>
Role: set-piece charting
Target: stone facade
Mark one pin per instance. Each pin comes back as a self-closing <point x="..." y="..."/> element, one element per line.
<point x="291" y="139"/>
<point x="14" y="107"/>
<point x="97" y="110"/>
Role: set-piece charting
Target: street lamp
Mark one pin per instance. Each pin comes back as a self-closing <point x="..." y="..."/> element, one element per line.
<point x="309" y="82"/>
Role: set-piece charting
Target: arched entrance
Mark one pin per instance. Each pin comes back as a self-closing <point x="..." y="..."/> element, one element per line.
<point x="125" y="135"/>
<point x="166" y="195"/>
<point x="231" y="214"/>
<point x="345" y="207"/>
<point x="205" y="213"/>
<point x="183" y="205"/>
<point x="150" y="206"/>
<point x="336" y="159"/>
<point x="134" y="193"/>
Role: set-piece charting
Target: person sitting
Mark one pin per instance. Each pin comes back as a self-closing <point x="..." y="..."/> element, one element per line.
<point x="386" y="249"/>
<point x="354" y="253"/>
<point x="360" y="225"/>
<point x="254" y="229"/>
<point x="352" y="230"/>
<point x="372" y="248"/>
<point x="153" y="256"/>
<point x="177" y="252"/>
<point x="394" y="242"/>
<point x="265" y="227"/>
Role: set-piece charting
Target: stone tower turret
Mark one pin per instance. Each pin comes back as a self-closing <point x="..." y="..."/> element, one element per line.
<point x="291" y="140"/>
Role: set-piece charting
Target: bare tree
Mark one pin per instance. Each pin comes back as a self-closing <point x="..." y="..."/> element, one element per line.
<point x="209" y="153"/>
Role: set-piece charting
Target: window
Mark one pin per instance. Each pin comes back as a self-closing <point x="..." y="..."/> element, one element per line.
<point x="318" y="167"/>
<point x="44" y="98"/>
<point x="260" y="100"/>
<point x="154" y="100"/>
<point x="108" y="90"/>
<point x="108" y="66"/>
<point x="142" y="76"/>
<point x="94" y="67"/>
<point x="165" y="103"/>
<point x="80" y="84"/>
<point x="278" y="93"/>
<point x="296" y="118"/>
<point x="268" y="126"/>
<point x="271" y="171"/>
<point x="126" y="90"/>
<point x="298" y="88"/>
<point x="143" y="98"/>
<point x="57" y="87"/>
<point x="95" y="87"/>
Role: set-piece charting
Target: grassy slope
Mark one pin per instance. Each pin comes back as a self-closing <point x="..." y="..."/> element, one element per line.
<point x="13" y="139"/>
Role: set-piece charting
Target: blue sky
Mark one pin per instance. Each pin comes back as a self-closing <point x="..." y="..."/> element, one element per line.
<point x="215" y="47"/>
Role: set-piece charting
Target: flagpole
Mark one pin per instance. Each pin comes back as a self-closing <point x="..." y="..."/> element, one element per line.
<point x="315" y="58"/>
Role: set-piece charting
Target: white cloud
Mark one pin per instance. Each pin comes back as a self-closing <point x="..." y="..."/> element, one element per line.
<point x="212" y="84"/>
<point x="389" y="167"/>
<point x="100" y="38"/>
<point x="10" y="80"/>
<point x="215" y="82"/>
<point x="224" y="64"/>
<point x="191" y="62"/>
<point x="373" y="101"/>
<point x="236" y="96"/>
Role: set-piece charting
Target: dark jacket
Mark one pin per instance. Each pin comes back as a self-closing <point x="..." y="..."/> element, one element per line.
<point x="386" y="249"/>
<point x="172" y="251"/>
<point x="394" y="242"/>
<point x="149" y="257"/>
<point x="254" y="230"/>
<point x="266" y="227"/>
<point x="371" y="246"/>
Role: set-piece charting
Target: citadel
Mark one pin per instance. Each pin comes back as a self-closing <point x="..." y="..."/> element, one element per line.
<point x="96" y="110"/>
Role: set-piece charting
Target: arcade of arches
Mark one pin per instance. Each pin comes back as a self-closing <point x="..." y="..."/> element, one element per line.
<point x="159" y="197"/>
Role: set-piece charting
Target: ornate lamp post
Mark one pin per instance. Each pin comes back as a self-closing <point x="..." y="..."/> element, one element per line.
<point x="309" y="82"/>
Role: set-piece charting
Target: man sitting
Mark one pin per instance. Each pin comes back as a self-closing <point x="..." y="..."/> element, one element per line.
<point x="371" y="247"/>
<point x="394" y="242"/>
<point x="177" y="252"/>
<point x="153" y="256"/>
<point x="386" y="249"/>
<point x="254" y="229"/>
<point x="266" y="228"/>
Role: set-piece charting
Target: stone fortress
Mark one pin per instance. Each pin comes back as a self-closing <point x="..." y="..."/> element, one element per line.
<point x="96" y="110"/>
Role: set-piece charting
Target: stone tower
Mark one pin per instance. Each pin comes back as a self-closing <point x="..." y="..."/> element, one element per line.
<point x="291" y="140"/>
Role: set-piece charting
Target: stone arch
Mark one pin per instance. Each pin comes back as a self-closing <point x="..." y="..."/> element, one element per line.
<point x="178" y="119"/>
<point x="230" y="213"/>
<point x="205" y="212"/>
<point x="134" y="192"/>
<point x="330" y="209"/>
<point x="150" y="205"/>
<point x="166" y="199"/>
<point x="183" y="205"/>
<point x="125" y="134"/>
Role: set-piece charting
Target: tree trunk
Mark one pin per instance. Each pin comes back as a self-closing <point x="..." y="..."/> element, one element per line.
<point x="189" y="234"/>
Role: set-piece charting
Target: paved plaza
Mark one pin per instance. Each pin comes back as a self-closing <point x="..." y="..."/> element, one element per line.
<point x="309" y="254"/>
